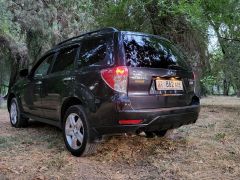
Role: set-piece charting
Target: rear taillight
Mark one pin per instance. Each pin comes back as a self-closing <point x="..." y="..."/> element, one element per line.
<point x="130" y="121"/>
<point x="116" y="78"/>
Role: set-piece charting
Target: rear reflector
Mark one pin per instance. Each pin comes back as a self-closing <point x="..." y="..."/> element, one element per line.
<point x="130" y="121"/>
<point x="116" y="78"/>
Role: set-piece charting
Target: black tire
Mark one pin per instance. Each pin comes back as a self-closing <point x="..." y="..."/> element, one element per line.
<point x="160" y="133"/>
<point x="16" y="120"/>
<point x="151" y="134"/>
<point x="85" y="147"/>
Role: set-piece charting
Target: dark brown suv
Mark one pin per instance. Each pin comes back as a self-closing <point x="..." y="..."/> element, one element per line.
<point x="106" y="82"/>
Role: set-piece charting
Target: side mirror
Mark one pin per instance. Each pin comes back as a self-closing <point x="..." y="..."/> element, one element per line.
<point x="23" y="73"/>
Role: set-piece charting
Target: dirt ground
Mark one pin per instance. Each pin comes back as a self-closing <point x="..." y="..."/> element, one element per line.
<point x="208" y="149"/>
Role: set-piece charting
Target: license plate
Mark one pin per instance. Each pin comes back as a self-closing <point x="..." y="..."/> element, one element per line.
<point x="169" y="85"/>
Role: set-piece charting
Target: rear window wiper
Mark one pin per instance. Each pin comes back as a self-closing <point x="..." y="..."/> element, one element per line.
<point x="176" y="67"/>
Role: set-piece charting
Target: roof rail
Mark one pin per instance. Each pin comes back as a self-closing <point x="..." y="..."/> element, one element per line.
<point x="104" y="30"/>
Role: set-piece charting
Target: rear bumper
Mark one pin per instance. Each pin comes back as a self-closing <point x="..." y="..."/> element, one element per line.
<point x="153" y="119"/>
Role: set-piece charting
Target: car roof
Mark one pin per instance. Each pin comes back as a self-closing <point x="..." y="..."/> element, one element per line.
<point x="76" y="39"/>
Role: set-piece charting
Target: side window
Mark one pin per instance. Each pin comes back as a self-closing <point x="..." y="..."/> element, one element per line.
<point x="43" y="68"/>
<point x="65" y="60"/>
<point x="93" y="52"/>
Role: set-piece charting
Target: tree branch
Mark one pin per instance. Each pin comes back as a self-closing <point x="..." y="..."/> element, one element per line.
<point x="230" y="39"/>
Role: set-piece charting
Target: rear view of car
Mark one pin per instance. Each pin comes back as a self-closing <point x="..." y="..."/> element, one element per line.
<point x="155" y="85"/>
<point x="158" y="76"/>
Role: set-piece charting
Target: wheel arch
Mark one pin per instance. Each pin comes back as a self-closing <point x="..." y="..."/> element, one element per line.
<point x="71" y="101"/>
<point x="9" y="99"/>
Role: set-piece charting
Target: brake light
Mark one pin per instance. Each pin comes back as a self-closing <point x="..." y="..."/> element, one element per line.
<point x="116" y="78"/>
<point x="130" y="121"/>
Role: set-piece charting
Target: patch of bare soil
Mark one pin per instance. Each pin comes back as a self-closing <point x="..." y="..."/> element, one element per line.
<point x="208" y="149"/>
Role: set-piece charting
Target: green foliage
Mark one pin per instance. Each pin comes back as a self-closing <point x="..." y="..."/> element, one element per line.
<point x="209" y="81"/>
<point x="223" y="17"/>
<point x="29" y="28"/>
<point x="219" y="136"/>
<point x="125" y="15"/>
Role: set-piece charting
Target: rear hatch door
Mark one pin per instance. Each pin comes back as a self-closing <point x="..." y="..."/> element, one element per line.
<point x="158" y="76"/>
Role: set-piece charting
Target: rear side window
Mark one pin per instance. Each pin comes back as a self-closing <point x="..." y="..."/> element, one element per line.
<point x="65" y="60"/>
<point x="94" y="52"/>
<point x="43" y="68"/>
<point x="147" y="51"/>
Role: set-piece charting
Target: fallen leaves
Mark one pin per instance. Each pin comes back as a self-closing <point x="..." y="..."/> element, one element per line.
<point x="207" y="149"/>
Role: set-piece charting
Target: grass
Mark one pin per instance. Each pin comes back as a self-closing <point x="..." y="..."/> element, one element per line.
<point x="208" y="149"/>
<point x="57" y="161"/>
<point x="219" y="136"/>
<point x="7" y="142"/>
<point x="3" y="104"/>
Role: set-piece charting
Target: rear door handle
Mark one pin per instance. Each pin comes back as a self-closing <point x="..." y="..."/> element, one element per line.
<point x="68" y="79"/>
<point x="38" y="83"/>
<point x="65" y="80"/>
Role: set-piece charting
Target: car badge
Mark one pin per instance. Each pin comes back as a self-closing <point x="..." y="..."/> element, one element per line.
<point x="172" y="73"/>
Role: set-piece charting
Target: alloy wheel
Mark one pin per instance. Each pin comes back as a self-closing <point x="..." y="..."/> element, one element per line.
<point x="74" y="131"/>
<point x="13" y="113"/>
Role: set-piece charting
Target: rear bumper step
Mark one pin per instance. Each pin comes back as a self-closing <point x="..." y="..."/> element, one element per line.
<point x="154" y="119"/>
<point x="167" y="110"/>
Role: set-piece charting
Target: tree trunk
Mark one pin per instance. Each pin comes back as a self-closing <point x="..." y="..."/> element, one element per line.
<point x="179" y="30"/>
<point x="238" y="93"/>
<point x="17" y="57"/>
<point x="218" y="89"/>
<point x="226" y="86"/>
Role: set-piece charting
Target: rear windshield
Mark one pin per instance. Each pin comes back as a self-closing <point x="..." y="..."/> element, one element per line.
<point x="149" y="51"/>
